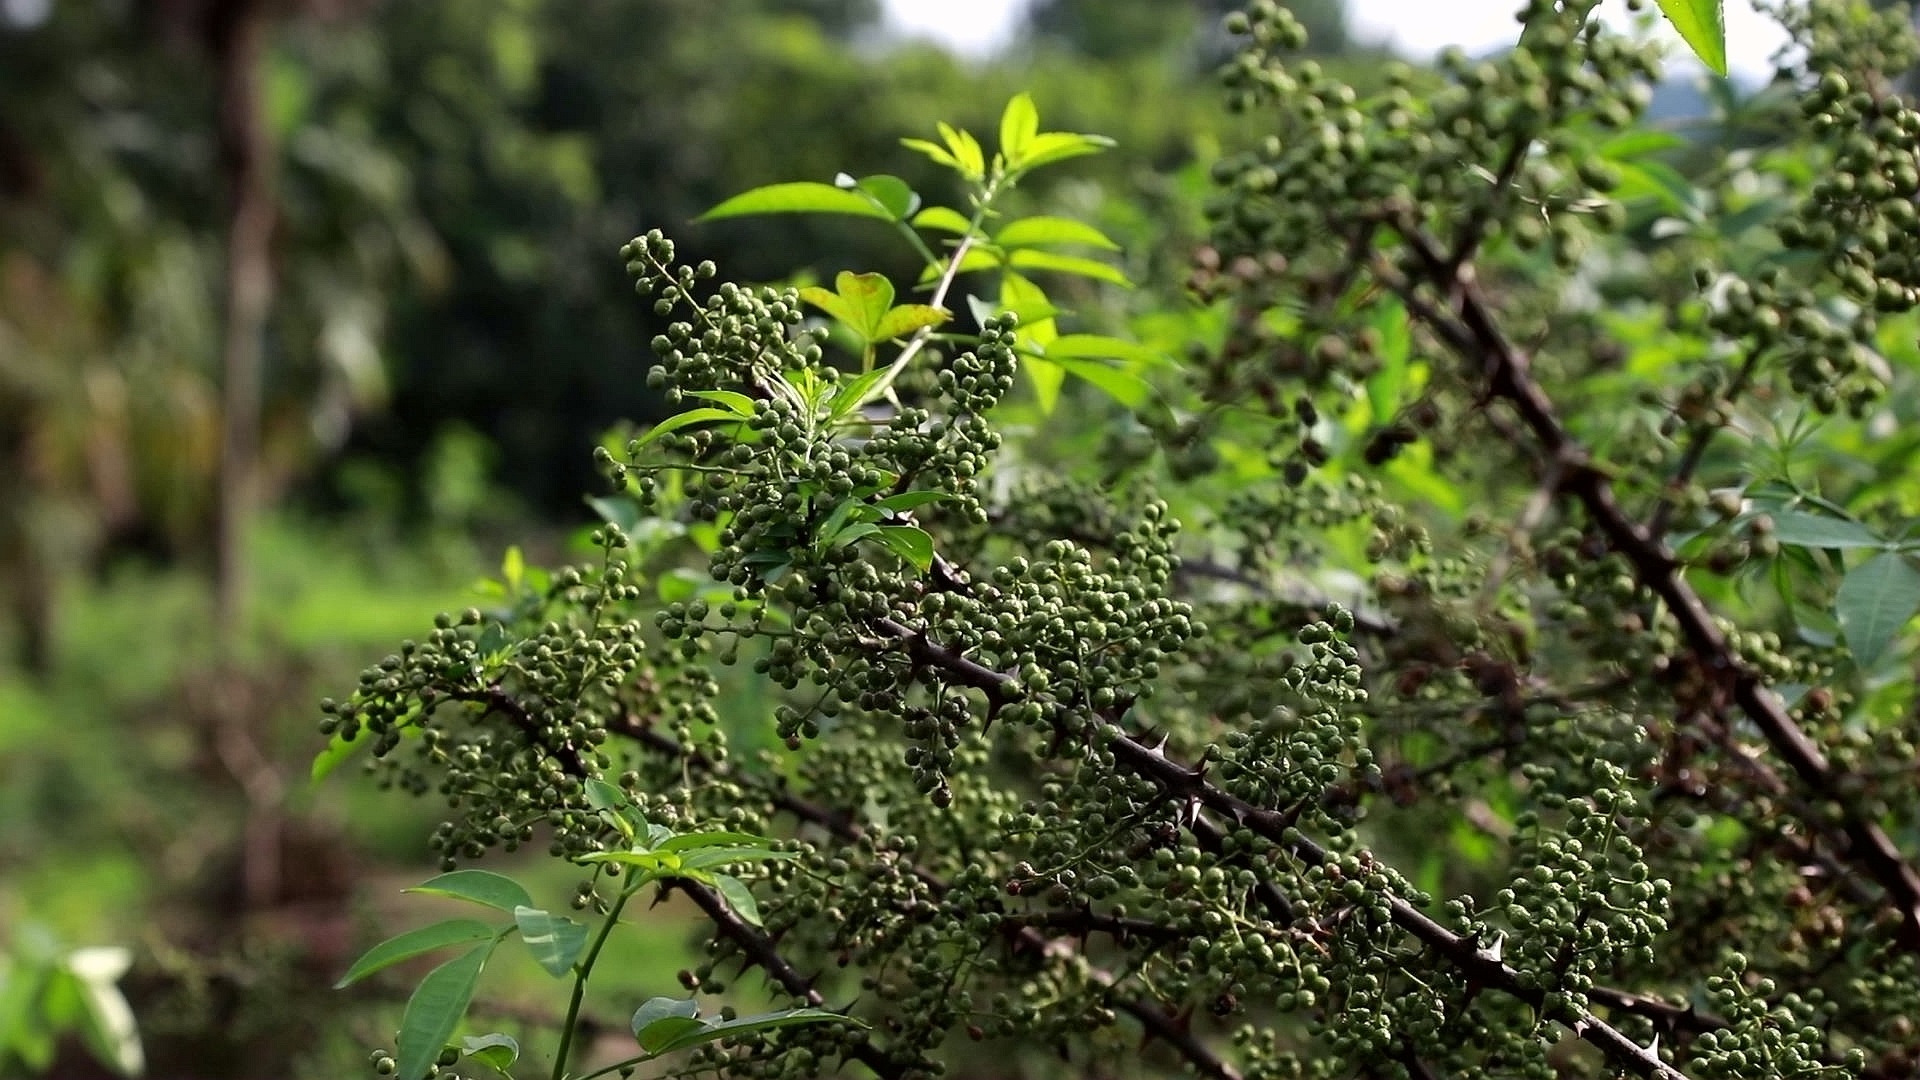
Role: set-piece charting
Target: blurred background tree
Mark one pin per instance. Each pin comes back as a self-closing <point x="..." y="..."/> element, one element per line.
<point x="445" y="326"/>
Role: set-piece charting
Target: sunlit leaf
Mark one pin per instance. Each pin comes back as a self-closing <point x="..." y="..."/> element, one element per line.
<point x="688" y="419"/>
<point x="1128" y="390"/>
<point x="1019" y="123"/>
<point x="1047" y="231"/>
<point x="942" y="219"/>
<point x="1053" y="146"/>
<point x="1047" y="378"/>
<point x="732" y="400"/>
<point x="1030" y="259"/>
<point x="1703" y="25"/>
<point x="800" y="197"/>
<point x="965" y="150"/>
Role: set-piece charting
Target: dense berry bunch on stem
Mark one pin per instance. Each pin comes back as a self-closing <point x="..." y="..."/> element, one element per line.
<point x="1089" y="760"/>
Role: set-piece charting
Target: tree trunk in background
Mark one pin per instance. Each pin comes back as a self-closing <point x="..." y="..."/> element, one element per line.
<point x="237" y="30"/>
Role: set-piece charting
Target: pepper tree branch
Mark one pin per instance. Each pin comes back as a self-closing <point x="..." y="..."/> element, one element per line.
<point x="1474" y="334"/>
<point x="1024" y="933"/>
<point x="1181" y="781"/>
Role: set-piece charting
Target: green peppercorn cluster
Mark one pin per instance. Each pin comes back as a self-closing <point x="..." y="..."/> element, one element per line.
<point x="1061" y="771"/>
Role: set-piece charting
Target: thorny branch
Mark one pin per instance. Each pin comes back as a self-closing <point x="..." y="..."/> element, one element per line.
<point x="1471" y="330"/>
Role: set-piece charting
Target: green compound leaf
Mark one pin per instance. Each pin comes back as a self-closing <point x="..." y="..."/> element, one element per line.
<point x="435" y="1009"/>
<point x="1703" y="25"/>
<point x="484" y="887"/>
<point x="1875" y="602"/>
<point x="859" y="301"/>
<point x="801" y="197"/>
<point x="414" y="943"/>
<point x="554" y="940"/>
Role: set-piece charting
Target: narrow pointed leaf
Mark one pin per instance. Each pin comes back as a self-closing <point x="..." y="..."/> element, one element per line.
<point x="604" y="796"/>
<point x="739" y="898"/>
<point x="688" y="419"/>
<point x="435" y="1009"/>
<point x="696" y="840"/>
<point x="911" y="544"/>
<point x="804" y="197"/>
<point x="1703" y="25"/>
<point x="732" y="400"/>
<point x="554" y="940"/>
<point x="479" y="887"/>
<point x="1052" y="146"/>
<point x="414" y="943"/>
<point x="746" y="1025"/>
<point x="1820" y="531"/>
<point x="1100" y="346"/>
<point x="338" y="750"/>
<point x="1128" y="390"/>
<point x="1019" y="123"/>
<point x="852" y="395"/>
<point x="1047" y="377"/>
<point x="965" y="150"/>
<point x="1875" y="602"/>
<point x="714" y="858"/>
<point x="909" y="500"/>
<point x="932" y="150"/>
